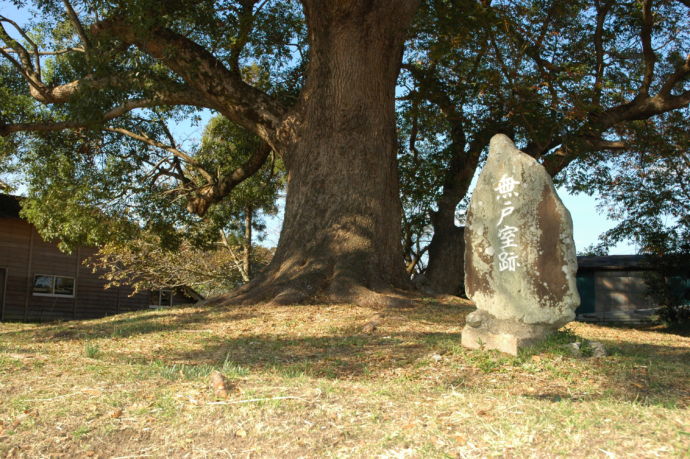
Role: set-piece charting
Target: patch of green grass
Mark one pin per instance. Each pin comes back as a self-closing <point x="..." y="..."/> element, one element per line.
<point x="20" y="404"/>
<point x="490" y="361"/>
<point x="443" y="343"/>
<point x="586" y="349"/>
<point x="232" y="370"/>
<point x="9" y="364"/>
<point x="294" y="371"/>
<point x="81" y="431"/>
<point x="555" y="343"/>
<point x="328" y="388"/>
<point x="92" y="350"/>
<point x="176" y="371"/>
<point x="180" y="371"/>
<point x="165" y="407"/>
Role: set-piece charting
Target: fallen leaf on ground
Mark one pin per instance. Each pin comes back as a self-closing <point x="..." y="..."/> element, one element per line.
<point x="220" y="385"/>
<point x="460" y="439"/>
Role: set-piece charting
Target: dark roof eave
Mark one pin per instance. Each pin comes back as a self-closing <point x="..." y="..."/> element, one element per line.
<point x="615" y="263"/>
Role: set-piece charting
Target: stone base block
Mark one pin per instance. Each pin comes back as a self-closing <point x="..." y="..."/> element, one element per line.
<point x="481" y="338"/>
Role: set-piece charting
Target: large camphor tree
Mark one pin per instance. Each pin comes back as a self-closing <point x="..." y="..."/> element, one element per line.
<point x="586" y="87"/>
<point x="102" y="70"/>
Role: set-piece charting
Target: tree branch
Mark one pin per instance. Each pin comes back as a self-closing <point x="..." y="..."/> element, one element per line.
<point x="679" y="75"/>
<point x="416" y="256"/>
<point x="24" y="65"/>
<point x="587" y="138"/>
<point x="76" y="23"/>
<point x="169" y="148"/>
<point x="558" y="160"/>
<point x="647" y="50"/>
<point x="191" y="98"/>
<point x="246" y="19"/>
<point x="602" y="12"/>
<point x="238" y="101"/>
<point x="215" y="192"/>
<point x="57" y="52"/>
<point x="23" y="53"/>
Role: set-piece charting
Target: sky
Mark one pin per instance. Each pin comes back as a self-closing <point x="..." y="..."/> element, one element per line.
<point x="588" y="221"/>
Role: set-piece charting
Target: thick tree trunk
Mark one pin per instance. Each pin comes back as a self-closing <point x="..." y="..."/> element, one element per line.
<point x="445" y="272"/>
<point x="341" y="233"/>
<point x="446" y="269"/>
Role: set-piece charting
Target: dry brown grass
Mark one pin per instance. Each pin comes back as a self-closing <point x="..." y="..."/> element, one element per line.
<point x="308" y="381"/>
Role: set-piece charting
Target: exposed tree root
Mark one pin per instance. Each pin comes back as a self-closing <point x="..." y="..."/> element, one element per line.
<point x="327" y="291"/>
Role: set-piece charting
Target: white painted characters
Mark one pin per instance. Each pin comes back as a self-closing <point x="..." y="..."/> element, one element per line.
<point x="507" y="260"/>
<point x="506" y="187"/>
<point x="507" y="236"/>
<point x="505" y="212"/>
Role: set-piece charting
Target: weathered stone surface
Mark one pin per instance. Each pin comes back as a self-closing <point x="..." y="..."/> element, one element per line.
<point x="520" y="261"/>
<point x="598" y="349"/>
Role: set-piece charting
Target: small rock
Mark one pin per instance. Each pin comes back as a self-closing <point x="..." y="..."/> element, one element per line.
<point x="474" y="319"/>
<point x="241" y="433"/>
<point x="598" y="349"/>
<point x="436" y="358"/>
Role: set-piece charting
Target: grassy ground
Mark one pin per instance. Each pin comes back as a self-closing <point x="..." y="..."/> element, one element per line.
<point x="310" y="381"/>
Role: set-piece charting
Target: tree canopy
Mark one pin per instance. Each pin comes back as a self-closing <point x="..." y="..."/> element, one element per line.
<point x="90" y="91"/>
<point x="588" y="88"/>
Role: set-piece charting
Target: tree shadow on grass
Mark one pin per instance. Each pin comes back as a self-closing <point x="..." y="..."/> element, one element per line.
<point x="411" y="356"/>
<point x="656" y="374"/>
<point x="646" y="373"/>
<point x="678" y="330"/>
<point x="180" y="317"/>
<point x="130" y="324"/>
<point x="436" y="312"/>
<point x="334" y="357"/>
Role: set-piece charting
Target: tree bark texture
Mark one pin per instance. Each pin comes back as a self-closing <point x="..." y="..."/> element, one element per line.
<point x="445" y="272"/>
<point x="341" y="233"/>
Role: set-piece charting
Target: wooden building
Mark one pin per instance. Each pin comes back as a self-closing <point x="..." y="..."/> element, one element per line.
<point x="614" y="288"/>
<point x="38" y="282"/>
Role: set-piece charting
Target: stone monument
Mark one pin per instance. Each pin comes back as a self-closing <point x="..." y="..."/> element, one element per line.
<point x="520" y="261"/>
